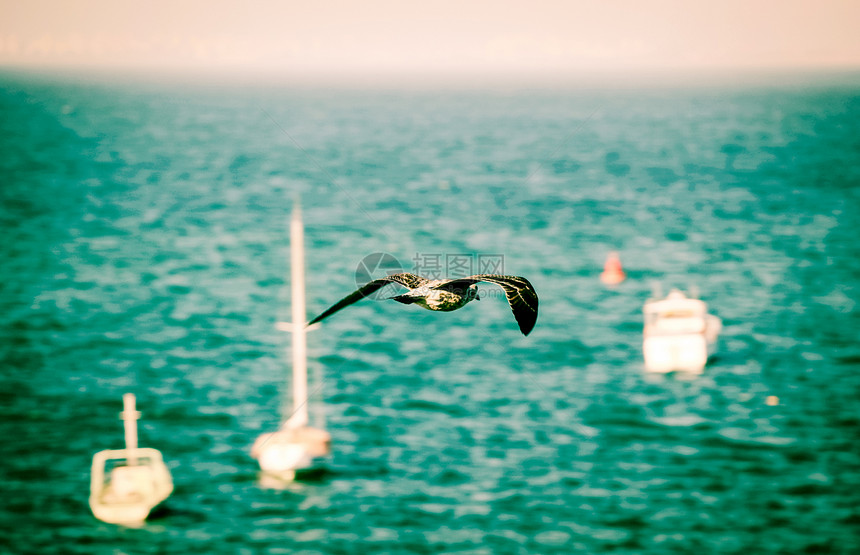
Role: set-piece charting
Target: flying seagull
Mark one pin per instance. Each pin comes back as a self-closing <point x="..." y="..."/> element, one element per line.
<point x="450" y="294"/>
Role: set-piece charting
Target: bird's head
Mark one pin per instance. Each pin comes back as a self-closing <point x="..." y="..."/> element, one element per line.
<point x="472" y="292"/>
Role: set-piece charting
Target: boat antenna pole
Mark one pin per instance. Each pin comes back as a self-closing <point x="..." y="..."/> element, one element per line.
<point x="130" y="416"/>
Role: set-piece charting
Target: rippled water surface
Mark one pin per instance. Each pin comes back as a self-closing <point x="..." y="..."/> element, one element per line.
<point x="145" y="249"/>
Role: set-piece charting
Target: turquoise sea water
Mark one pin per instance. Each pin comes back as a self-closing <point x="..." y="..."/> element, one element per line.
<point x="145" y="249"/>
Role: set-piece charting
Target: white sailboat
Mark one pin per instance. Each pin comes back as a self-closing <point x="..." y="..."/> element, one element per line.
<point x="679" y="334"/>
<point x="296" y="446"/>
<point x="137" y="481"/>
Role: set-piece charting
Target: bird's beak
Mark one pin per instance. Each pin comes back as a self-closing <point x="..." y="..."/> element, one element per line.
<point x="477" y="297"/>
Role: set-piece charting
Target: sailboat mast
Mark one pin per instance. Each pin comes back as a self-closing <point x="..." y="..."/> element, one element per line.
<point x="299" y="415"/>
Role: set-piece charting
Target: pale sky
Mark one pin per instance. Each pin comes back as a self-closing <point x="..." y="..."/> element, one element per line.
<point x="432" y="36"/>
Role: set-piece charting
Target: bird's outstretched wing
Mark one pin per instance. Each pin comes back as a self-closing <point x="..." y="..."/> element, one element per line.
<point x="407" y="280"/>
<point x="520" y="293"/>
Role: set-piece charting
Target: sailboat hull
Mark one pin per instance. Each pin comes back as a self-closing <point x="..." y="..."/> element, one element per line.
<point x="291" y="449"/>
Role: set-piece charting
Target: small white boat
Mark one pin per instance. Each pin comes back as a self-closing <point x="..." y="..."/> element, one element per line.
<point x="296" y="446"/>
<point x="679" y="334"/>
<point x="126" y="484"/>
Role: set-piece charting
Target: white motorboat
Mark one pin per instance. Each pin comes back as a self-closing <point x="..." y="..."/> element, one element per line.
<point x="296" y="446"/>
<point x="679" y="334"/>
<point x="126" y="484"/>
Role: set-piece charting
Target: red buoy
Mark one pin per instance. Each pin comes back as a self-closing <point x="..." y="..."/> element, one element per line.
<point x="612" y="272"/>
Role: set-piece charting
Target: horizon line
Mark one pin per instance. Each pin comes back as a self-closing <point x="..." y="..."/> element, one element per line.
<point x="568" y="77"/>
